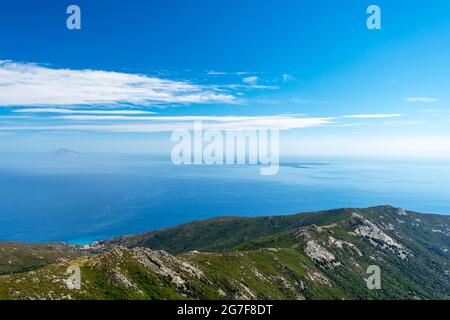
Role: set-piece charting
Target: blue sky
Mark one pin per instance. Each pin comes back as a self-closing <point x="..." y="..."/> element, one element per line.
<point x="139" y="69"/>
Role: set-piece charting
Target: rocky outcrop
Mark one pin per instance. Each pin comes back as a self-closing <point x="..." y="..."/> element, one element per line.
<point x="371" y="232"/>
<point x="341" y="244"/>
<point x="323" y="256"/>
<point x="402" y="212"/>
<point x="167" y="265"/>
<point x="315" y="251"/>
<point x="117" y="278"/>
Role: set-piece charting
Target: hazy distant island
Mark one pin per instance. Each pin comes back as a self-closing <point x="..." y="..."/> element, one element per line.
<point x="64" y="151"/>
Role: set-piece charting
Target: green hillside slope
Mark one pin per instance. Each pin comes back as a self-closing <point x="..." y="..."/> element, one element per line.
<point x="323" y="255"/>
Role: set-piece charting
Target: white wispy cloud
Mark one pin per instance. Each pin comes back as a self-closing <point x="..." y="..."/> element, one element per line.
<point x="165" y="124"/>
<point x="73" y="111"/>
<point x="216" y="73"/>
<point x="402" y="123"/>
<point x="176" y="118"/>
<point x="373" y="116"/>
<point x="287" y="77"/>
<point x="250" y="86"/>
<point x="238" y="73"/>
<point x="26" y="84"/>
<point x="250" y="80"/>
<point x="421" y="99"/>
<point x="105" y="122"/>
<point x="309" y="101"/>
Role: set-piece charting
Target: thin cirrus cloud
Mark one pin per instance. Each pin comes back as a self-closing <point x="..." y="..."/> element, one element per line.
<point x="287" y="77"/>
<point x="175" y="118"/>
<point x="73" y="111"/>
<point x="166" y="124"/>
<point x="26" y="84"/>
<point x="147" y="123"/>
<point x="373" y="116"/>
<point x="251" y="80"/>
<point x="421" y="100"/>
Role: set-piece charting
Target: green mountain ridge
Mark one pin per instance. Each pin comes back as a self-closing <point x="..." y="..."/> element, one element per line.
<point x="318" y="255"/>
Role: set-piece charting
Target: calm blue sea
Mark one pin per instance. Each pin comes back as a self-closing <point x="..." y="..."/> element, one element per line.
<point x="81" y="198"/>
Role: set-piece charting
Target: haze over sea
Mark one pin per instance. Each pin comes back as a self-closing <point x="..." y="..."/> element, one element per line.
<point x="79" y="198"/>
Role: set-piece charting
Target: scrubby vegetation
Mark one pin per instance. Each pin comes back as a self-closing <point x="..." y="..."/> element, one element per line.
<point x="321" y="255"/>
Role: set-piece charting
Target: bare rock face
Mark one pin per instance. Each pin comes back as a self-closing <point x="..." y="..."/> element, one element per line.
<point x="318" y="278"/>
<point x="370" y="231"/>
<point x="341" y="244"/>
<point x="117" y="278"/>
<point x="156" y="261"/>
<point x="316" y="252"/>
<point x="243" y="292"/>
<point x="319" y="254"/>
<point x="402" y="212"/>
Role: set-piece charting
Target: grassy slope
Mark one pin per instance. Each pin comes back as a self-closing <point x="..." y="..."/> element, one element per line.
<point x="220" y="234"/>
<point x="21" y="257"/>
<point x="260" y="274"/>
<point x="260" y="258"/>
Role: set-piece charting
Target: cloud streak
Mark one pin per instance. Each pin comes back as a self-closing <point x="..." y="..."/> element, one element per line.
<point x="251" y="80"/>
<point x="420" y="100"/>
<point x="165" y="124"/>
<point x="142" y="123"/>
<point x="25" y="84"/>
<point x="73" y="111"/>
<point x="373" y="116"/>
